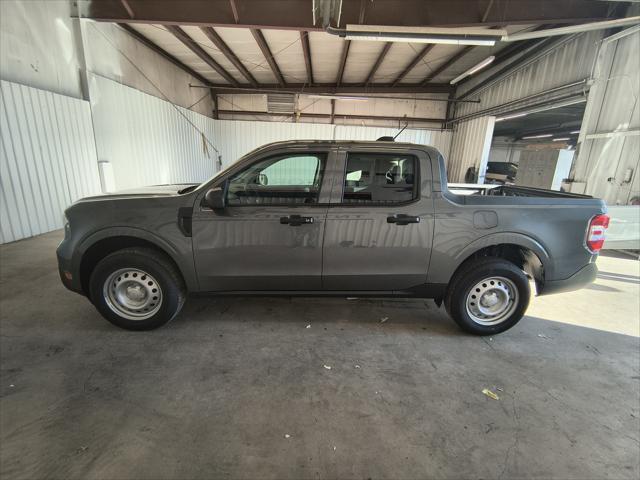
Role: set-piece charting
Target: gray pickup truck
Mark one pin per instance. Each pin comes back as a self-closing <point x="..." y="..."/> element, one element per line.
<point x="331" y="218"/>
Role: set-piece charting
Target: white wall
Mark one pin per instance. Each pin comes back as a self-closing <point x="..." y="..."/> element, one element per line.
<point x="470" y="146"/>
<point x="410" y="106"/>
<point x="43" y="47"/>
<point x="47" y="159"/>
<point x="609" y="142"/>
<point x="236" y="138"/>
<point x="149" y="141"/>
<point x="112" y="53"/>
<point x="39" y="46"/>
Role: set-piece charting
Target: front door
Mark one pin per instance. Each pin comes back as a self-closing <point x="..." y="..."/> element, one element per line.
<point x="269" y="236"/>
<point x="379" y="227"/>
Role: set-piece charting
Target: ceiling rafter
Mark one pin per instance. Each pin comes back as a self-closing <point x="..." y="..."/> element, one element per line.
<point x="333" y="88"/>
<point x="416" y="60"/>
<point x="148" y="43"/>
<point x="306" y="50"/>
<point x="453" y="59"/>
<point x="343" y="61"/>
<point x="198" y="50"/>
<point x="296" y="14"/>
<point x="213" y="36"/>
<point x="264" y="48"/>
<point x="378" y="62"/>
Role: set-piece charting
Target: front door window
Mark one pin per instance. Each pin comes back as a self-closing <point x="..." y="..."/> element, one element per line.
<point x="290" y="179"/>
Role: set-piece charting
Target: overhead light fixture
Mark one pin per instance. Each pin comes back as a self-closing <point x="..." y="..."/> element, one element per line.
<point x="574" y="132"/>
<point x="560" y="139"/>
<point x="445" y="40"/>
<point x="340" y="97"/>
<point x="450" y="36"/>
<point x="531" y="137"/>
<point x="476" y="68"/>
<point x="509" y="117"/>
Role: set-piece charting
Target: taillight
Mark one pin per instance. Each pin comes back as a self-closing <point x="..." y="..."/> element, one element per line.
<point x="595" y="234"/>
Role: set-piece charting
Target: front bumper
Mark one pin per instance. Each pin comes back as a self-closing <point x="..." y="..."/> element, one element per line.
<point x="578" y="280"/>
<point x="69" y="274"/>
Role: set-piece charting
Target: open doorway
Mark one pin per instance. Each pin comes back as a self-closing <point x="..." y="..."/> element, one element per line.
<point x="534" y="149"/>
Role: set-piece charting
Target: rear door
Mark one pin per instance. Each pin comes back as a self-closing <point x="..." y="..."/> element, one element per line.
<point x="269" y="236"/>
<point x="379" y="226"/>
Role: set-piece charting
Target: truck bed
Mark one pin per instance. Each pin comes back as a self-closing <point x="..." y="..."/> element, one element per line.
<point x="509" y="191"/>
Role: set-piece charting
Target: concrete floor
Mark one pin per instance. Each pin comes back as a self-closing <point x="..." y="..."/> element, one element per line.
<point x="216" y="393"/>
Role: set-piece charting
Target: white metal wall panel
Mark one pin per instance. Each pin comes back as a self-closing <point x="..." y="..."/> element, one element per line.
<point x="47" y="159"/>
<point x="609" y="145"/>
<point x="570" y="61"/>
<point x="441" y="139"/>
<point x="147" y="140"/>
<point x="236" y="138"/>
<point x="470" y="148"/>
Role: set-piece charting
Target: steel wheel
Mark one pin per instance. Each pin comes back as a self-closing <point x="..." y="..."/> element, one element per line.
<point x="132" y="294"/>
<point x="492" y="300"/>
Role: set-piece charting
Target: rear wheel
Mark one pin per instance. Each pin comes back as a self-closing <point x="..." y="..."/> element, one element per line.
<point x="137" y="289"/>
<point x="488" y="296"/>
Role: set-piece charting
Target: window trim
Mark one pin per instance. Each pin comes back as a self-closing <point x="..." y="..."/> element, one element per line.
<point x="326" y="154"/>
<point x="417" y="182"/>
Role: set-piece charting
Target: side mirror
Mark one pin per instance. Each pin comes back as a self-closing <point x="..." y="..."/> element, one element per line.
<point x="215" y="198"/>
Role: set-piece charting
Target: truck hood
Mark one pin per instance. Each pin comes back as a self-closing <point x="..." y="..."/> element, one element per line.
<point x="150" y="191"/>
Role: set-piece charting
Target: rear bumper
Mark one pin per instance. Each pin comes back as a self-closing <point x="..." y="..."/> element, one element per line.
<point x="578" y="280"/>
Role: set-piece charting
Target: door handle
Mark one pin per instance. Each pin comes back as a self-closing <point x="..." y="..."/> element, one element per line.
<point x="402" y="219"/>
<point x="296" y="220"/>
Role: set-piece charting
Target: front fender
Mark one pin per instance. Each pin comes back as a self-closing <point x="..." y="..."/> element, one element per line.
<point x="182" y="255"/>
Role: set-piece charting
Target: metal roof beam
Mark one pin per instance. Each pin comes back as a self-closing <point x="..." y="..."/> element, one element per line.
<point x="220" y="45"/>
<point x="306" y="50"/>
<point x="264" y="48"/>
<point x="198" y="50"/>
<point x="297" y="14"/>
<point x="417" y="59"/>
<point x="442" y="68"/>
<point x="332" y="88"/>
<point x="379" y="60"/>
<point x="343" y="61"/>
<point x="167" y="56"/>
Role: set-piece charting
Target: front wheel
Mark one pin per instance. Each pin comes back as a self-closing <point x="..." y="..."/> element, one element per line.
<point x="488" y="296"/>
<point x="137" y="289"/>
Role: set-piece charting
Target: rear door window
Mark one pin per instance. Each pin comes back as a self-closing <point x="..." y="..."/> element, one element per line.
<point x="373" y="178"/>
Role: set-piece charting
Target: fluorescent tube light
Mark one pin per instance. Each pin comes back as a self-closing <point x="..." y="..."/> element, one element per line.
<point x="546" y="135"/>
<point x="340" y="97"/>
<point x="487" y="61"/>
<point x="574" y="132"/>
<point x="561" y="139"/>
<point x="398" y="33"/>
<point x="390" y="37"/>
<point x="509" y="117"/>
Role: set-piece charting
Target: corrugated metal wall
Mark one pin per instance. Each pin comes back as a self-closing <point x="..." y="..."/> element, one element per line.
<point x="148" y="140"/>
<point x="470" y="148"/>
<point x="47" y="159"/>
<point x="609" y="144"/>
<point x="568" y="61"/>
<point x="235" y="138"/>
<point x="49" y="152"/>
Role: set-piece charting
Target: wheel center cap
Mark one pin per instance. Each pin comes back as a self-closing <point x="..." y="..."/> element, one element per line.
<point x="135" y="292"/>
<point x="489" y="299"/>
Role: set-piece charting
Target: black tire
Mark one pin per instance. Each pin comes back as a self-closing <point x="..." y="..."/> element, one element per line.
<point x="158" y="266"/>
<point x="470" y="275"/>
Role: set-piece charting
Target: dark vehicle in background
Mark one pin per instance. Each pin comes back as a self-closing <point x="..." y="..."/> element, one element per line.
<point x="334" y="219"/>
<point x="501" y="172"/>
